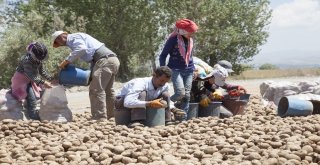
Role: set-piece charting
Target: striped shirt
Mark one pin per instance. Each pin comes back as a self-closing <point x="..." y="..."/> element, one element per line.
<point x="33" y="69"/>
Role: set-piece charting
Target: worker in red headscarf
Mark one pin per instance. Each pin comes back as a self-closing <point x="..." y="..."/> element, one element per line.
<point x="180" y="47"/>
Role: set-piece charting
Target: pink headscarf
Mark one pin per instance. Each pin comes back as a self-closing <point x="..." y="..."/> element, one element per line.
<point x="182" y="27"/>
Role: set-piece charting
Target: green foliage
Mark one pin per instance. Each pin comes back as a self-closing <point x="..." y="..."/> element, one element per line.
<point x="231" y="30"/>
<point x="268" y="66"/>
<point x="245" y="67"/>
<point x="135" y="29"/>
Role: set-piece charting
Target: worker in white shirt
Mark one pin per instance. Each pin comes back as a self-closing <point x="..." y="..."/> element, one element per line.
<point x="104" y="67"/>
<point x="140" y="93"/>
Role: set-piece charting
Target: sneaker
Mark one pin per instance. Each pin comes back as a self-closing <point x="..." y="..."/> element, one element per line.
<point x="170" y="123"/>
<point x="135" y="124"/>
<point x="179" y="114"/>
<point x="96" y="118"/>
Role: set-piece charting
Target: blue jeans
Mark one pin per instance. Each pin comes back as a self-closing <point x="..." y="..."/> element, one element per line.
<point x="182" y="81"/>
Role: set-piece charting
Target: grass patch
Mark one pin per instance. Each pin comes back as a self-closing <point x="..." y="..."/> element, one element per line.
<point x="261" y="74"/>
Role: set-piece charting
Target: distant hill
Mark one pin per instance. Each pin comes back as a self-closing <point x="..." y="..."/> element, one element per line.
<point x="289" y="59"/>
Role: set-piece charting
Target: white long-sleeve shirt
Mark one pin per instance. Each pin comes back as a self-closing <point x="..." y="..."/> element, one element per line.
<point x="83" y="46"/>
<point x="134" y="87"/>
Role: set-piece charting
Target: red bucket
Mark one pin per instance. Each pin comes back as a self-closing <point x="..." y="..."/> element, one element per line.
<point x="236" y="105"/>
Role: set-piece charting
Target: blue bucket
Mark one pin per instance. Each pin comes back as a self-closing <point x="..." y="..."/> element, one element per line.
<point x="155" y="117"/>
<point x="289" y="106"/>
<point x="212" y="110"/>
<point x="193" y="110"/>
<point x="72" y="75"/>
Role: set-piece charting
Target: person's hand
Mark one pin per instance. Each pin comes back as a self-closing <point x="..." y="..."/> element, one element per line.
<point x="237" y="91"/>
<point x="195" y="75"/>
<point x="54" y="82"/>
<point x="63" y="64"/>
<point x="156" y="104"/>
<point x="205" y="101"/>
<point x="47" y="84"/>
<point x="217" y="95"/>
<point x="241" y="90"/>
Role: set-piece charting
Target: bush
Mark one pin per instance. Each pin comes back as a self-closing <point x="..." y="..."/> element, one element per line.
<point x="268" y="66"/>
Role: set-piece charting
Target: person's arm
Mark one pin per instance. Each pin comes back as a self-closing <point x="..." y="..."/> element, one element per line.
<point x="79" y="49"/>
<point x="30" y="71"/>
<point x="131" y="99"/>
<point x="230" y="86"/>
<point x="208" y="86"/>
<point x="234" y="90"/>
<point x="44" y="73"/>
<point x="166" y="49"/>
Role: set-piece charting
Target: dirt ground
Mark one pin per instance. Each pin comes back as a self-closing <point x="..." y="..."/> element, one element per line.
<point x="78" y="97"/>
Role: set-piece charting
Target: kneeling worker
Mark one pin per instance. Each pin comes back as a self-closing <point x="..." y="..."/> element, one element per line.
<point x="208" y="92"/>
<point x="150" y="92"/>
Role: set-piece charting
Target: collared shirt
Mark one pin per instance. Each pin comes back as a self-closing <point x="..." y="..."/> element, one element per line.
<point x="83" y="46"/>
<point x="134" y="87"/>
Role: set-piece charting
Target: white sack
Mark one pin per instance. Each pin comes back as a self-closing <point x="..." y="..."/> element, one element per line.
<point x="54" y="105"/>
<point x="10" y="108"/>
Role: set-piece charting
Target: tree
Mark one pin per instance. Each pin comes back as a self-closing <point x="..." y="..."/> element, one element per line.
<point x="135" y="29"/>
<point x="231" y="30"/>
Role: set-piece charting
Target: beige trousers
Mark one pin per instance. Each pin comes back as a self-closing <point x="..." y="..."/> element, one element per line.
<point x="101" y="90"/>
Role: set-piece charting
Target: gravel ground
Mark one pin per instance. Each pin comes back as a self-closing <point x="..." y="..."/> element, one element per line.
<point x="258" y="137"/>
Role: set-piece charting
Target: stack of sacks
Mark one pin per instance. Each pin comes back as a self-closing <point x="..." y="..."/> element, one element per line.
<point x="202" y="68"/>
<point x="274" y="91"/>
<point x="54" y="105"/>
<point x="10" y="108"/>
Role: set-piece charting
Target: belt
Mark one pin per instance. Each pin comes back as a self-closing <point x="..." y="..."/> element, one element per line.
<point x="104" y="56"/>
<point x="102" y="52"/>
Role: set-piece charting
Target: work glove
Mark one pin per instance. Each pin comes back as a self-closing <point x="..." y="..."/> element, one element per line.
<point x="156" y="104"/>
<point x="205" y="101"/>
<point x="63" y="64"/>
<point x="241" y="89"/>
<point x="236" y="91"/>
<point x="217" y="95"/>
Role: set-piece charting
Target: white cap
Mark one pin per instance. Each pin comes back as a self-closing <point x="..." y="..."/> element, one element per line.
<point x="55" y="35"/>
<point x="220" y="74"/>
<point x="226" y="64"/>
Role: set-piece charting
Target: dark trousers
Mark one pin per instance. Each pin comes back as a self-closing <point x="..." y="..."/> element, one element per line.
<point x="141" y="113"/>
<point x="31" y="104"/>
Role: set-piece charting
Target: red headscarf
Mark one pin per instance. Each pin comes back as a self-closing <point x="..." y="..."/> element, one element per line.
<point x="187" y="25"/>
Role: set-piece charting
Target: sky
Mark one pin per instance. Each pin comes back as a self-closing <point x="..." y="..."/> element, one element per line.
<point x="294" y="34"/>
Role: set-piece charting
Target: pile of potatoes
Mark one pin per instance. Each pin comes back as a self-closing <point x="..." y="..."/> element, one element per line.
<point x="258" y="137"/>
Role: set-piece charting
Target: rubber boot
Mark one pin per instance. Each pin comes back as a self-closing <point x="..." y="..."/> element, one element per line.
<point x="31" y="99"/>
